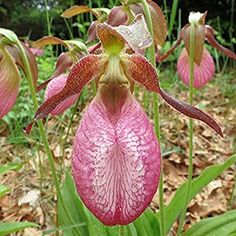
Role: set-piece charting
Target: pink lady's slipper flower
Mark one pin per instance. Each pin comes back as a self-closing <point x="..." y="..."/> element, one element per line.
<point x="204" y="66"/>
<point x="116" y="155"/>
<point x="9" y="74"/>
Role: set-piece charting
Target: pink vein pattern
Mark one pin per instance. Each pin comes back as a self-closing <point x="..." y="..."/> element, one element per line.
<point x="202" y="73"/>
<point x="116" y="165"/>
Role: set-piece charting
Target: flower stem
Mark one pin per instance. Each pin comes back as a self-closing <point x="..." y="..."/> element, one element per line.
<point x="47" y="17"/>
<point x="121" y="230"/>
<point x="190" y="165"/>
<point x="151" y="55"/>
<point x="42" y="132"/>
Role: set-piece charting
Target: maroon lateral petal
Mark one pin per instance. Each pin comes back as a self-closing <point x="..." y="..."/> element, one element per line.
<point x="43" y="85"/>
<point x="177" y="43"/>
<point x="170" y="51"/>
<point x="92" y="32"/>
<point x="209" y="33"/>
<point x="137" y="67"/>
<point x="191" y="111"/>
<point x="84" y="71"/>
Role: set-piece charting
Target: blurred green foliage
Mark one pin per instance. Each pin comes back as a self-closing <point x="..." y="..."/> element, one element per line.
<point x="27" y="17"/>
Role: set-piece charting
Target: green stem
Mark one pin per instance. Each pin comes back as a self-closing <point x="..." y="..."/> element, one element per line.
<point x="129" y="13"/>
<point x="69" y="29"/>
<point x="70" y="124"/>
<point x="47" y="17"/>
<point x="190" y="165"/>
<point x="121" y="230"/>
<point x="151" y="56"/>
<point x="42" y="131"/>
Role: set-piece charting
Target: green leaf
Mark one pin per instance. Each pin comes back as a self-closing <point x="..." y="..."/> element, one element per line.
<point x="222" y="225"/>
<point x="10" y="35"/>
<point x="10" y="227"/>
<point x="74" y="206"/>
<point x="176" y="206"/>
<point x="3" y="190"/>
<point x="63" y="228"/>
<point x="147" y="224"/>
<point x="12" y="166"/>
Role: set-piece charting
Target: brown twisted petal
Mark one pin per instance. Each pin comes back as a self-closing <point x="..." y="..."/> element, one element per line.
<point x="176" y="44"/>
<point x="92" y="32"/>
<point x="48" y="40"/>
<point x="209" y="31"/>
<point x="159" y="23"/>
<point x="84" y="71"/>
<point x="199" y="38"/>
<point x="170" y="51"/>
<point x="137" y="67"/>
<point x="75" y="10"/>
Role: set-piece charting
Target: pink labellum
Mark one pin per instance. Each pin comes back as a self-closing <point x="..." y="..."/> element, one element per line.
<point x="116" y="161"/>
<point x="202" y="72"/>
<point x="55" y="86"/>
<point x="9" y="82"/>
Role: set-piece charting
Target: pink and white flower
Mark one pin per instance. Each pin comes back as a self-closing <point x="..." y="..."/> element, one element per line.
<point x="202" y="72"/>
<point x="116" y="156"/>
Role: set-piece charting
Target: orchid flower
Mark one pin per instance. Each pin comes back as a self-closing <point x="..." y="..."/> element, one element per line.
<point x="116" y="155"/>
<point x="122" y="15"/>
<point x="10" y="77"/>
<point x="204" y="66"/>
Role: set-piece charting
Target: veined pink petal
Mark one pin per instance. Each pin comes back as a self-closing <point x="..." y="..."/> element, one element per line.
<point x="116" y="165"/>
<point x="202" y="72"/>
<point x="9" y="82"/>
<point x="55" y="86"/>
